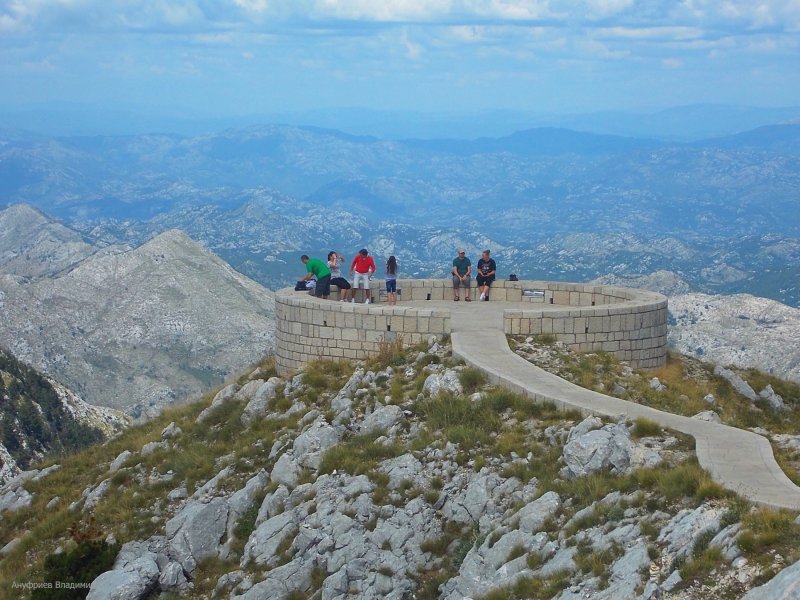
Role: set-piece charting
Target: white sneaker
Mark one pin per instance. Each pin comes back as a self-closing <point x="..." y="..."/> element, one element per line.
<point x="483" y="296"/>
<point x="352" y="300"/>
<point x="366" y="301"/>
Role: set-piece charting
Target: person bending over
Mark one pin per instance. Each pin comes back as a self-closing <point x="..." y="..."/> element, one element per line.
<point x="317" y="268"/>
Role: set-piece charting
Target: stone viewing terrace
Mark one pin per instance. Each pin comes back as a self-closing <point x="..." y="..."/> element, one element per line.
<point x="630" y="324"/>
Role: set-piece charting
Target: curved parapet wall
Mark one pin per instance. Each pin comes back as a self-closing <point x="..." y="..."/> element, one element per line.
<point x="307" y="328"/>
<point x="630" y="324"/>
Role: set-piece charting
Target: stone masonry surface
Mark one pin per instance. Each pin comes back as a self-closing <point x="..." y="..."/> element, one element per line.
<point x="630" y="324"/>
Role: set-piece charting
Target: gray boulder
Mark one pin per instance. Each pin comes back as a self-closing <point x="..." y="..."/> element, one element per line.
<point x="196" y="532"/>
<point x="171" y="431"/>
<point x="94" y="495"/>
<point x="774" y="400"/>
<point x="262" y="547"/>
<point x="15" y="498"/>
<point x="286" y="470"/>
<point x="405" y="467"/>
<point x="122" y="457"/>
<point x="437" y="383"/>
<point x="739" y="384"/>
<point x="533" y="515"/>
<point x="708" y="415"/>
<point x="135" y="573"/>
<point x="381" y="419"/>
<point x="607" y="449"/>
<point x="310" y="446"/>
<point x="679" y="534"/>
<point x="258" y="406"/>
<point x="238" y="504"/>
<point x="225" y="394"/>
<point x="784" y="586"/>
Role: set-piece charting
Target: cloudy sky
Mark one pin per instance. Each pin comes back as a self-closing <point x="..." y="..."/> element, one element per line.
<point x="223" y="57"/>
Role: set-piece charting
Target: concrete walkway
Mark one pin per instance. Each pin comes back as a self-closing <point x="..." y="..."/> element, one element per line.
<point x="739" y="460"/>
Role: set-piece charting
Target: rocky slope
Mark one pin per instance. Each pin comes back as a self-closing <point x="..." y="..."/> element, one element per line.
<point x="739" y="330"/>
<point x="40" y="418"/>
<point x="404" y="477"/>
<point x="138" y="329"/>
<point x="33" y="245"/>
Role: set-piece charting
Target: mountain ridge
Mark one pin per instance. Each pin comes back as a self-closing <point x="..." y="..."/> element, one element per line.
<point x="139" y="328"/>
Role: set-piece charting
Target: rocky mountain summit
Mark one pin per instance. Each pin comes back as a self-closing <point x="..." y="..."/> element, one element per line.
<point x="33" y="245"/>
<point x="405" y="476"/>
<point x="137" y="329"/>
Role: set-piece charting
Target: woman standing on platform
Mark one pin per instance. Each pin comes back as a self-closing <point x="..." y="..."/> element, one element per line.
<point x="391" y="281"/>
<point x="335" y="261"/>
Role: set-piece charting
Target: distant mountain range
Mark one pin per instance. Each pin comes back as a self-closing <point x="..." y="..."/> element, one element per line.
<point x="551" y="203"/>
<point x="132" y="329"/>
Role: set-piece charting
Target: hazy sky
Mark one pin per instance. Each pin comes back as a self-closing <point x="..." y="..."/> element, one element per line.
<point x="223" y="57"/>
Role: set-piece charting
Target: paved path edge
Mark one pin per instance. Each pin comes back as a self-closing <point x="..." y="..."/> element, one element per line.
<point x="739" y="460"/>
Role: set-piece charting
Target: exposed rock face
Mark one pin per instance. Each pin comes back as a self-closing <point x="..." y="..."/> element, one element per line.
<point x="740" y="330"/>
<point x="259" y="404"/>
<point x="437" y="383"/>
<point x="142" y="327"/>
<point x="341" y="535"/>
<point x="785" y="586"/>
<point x="609" y="448"/>
<point x="33" y="245"/>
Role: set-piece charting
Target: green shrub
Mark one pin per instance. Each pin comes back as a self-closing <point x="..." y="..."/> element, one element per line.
<point x="81" y="565"/>
<point x="471" y="379"/>
<point x="645" y="428"/>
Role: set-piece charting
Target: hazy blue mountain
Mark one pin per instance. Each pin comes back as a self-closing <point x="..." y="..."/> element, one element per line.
<point x="681" y="123"/>
<point x="550" y="202"/>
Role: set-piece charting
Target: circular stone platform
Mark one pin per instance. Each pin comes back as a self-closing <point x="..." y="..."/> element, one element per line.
<point x="630" y="324"/>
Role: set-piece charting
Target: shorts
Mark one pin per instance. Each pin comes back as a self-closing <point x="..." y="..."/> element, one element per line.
<point x="457" y="283"/>
<point x="341" y="283"/>
<point x="391" y="286"/>
<point x="358" y="278"/>
<point x="481" y="280"/>
<point x="323" y="287"/>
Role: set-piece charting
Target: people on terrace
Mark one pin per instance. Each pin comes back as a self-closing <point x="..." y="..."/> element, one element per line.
<point x="319" y="269"/>
<point x="462" y="269"/>
<point x="487" y="270"/>
<point x="362" y="269"/>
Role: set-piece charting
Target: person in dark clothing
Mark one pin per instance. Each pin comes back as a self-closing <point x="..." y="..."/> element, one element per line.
<point x="462" y="268"/>
<point x="487" y="269"/>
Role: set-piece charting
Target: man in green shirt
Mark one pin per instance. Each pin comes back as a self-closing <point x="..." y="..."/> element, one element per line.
<point x="462" y="268"/>
<point x="319" y="269"/>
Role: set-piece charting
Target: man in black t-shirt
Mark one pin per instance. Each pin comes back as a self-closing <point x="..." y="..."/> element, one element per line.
<point x="486" y="272"/>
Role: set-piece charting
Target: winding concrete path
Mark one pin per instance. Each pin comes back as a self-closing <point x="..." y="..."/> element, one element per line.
<point x="739" y="460"/>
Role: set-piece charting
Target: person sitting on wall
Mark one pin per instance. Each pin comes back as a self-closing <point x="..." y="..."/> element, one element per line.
<point x="335" y="261"/>
<point x="487" y="269"/>
<point x="362" y="269"/>
<point x="317" y="268"/>
<point x="462" y="269"/>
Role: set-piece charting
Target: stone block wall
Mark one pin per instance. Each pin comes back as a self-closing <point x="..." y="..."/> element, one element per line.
<point x="630" y="324"/>
<point x="307" y="328"/>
